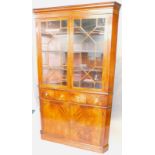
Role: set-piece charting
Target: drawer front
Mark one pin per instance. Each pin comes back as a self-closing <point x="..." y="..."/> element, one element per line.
<point x="47" y="94"/>
<point x="75" y="97"/>
<point x="54" y="94"/>
<point x="61" y="95"/>
<point x="78" y="98"/>
<point x="96" y="99"/>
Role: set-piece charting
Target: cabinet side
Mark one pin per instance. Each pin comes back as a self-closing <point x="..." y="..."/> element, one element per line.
<point x="113" y="51"/>
<point x="112" y="44"/>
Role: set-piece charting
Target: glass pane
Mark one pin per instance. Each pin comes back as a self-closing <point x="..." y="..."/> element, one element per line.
<point x="88" y="52"/>
<point x="54" y="24"/>
<point x="64" y="23"/>
<point x="88" y="24"/>
<point x="100" y="21"/>
<point x="54" y="52"/>
<point x="98" y="85"/>
<point x="76" y="23"/>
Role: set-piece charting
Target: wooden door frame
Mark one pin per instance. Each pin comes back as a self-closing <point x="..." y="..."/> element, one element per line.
<point x="110" y="10"/>
<point x="39" y="52"/>
<point x="70" y="31"/>
<point x="90" y="15"/>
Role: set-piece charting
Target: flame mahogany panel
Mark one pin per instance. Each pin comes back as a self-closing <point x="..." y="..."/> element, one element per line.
<point x="55" y="118"/>
<point x="87" y="124"/>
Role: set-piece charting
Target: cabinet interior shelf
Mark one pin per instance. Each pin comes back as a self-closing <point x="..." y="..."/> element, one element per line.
<point x="64" y="51"/>
<point x="79" y="69"/>
<point x="56" y="82"/>
<point x="50" y="35"/>
<point x="54" y="68"/>
<point x="75" y="51"/>
<point x="87" y="70"/>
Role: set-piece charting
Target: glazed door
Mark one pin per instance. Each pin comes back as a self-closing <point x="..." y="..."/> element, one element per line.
<point x="54" y="52"/>
<point x="88" y="52"/>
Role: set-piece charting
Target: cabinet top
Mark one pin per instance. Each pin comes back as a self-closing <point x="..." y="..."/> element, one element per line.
<point x="115" y="5"/>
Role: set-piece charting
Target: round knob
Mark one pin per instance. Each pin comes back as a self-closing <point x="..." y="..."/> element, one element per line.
<point x="46" y="94"/>
<point x="96" y="100"/>
<point x="77" y="98"/>
<point x="61" y="96"/>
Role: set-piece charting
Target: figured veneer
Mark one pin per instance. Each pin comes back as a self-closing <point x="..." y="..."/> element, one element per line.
<point x="80" y="123"/>
<point x="55" y="118"/>
<point x="78" y="98"/>
<point x="47" y="94"/>
<point x="76" y="65"/>
<point x="96" y="99"/>
<point x="61" y="95"/>
<point x="87" y="124"/>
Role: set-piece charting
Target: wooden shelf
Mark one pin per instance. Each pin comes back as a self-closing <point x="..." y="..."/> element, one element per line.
<point x="87" y="69"/>
<point x="50" y="35"/>
<point x="54" y="68"/>
<point x="55" y="82"/>
<point x="56" y="51"/>
<point x="93" y="33"/>
<point x="47" y="35"/>
<point x="87" y="51"/>
<point x="77" y="51"/>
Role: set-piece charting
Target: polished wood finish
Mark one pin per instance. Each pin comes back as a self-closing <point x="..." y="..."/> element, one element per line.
<point x="77" y="116"/>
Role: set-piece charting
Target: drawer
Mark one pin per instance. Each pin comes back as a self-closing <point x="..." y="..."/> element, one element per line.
<point x="95" y="99"/>
<point x="47" y="94"/>
<point x="61" y="95"/>
<point x="78" y="98"/>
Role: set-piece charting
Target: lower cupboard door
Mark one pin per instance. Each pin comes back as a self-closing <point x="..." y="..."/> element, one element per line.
<point x="87" y="124"/>
<point x="55" y="119"/>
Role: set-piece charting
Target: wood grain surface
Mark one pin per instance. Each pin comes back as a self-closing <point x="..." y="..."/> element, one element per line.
<point x="71" y="115"/>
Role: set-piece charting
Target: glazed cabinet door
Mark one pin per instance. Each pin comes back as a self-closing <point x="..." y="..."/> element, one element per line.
<point x="54" y="52"/>
<point x="88" y="52"/>
<point x="55" y="119"/>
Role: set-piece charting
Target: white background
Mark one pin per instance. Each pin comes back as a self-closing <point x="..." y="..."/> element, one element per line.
<point x="138" y="82"/>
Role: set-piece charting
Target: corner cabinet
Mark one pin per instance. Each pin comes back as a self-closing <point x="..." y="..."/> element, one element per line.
<point x="76" y="63"/>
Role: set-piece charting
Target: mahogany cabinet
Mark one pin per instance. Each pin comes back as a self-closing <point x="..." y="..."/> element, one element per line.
<point x="76" y="63"/>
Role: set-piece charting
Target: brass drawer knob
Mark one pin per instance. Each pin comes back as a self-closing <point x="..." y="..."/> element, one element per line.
<point x="46" y="94"/>
<point x="61" y="96"/>
<point x="96" y="100"/>
<point x="77" y="98"/>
